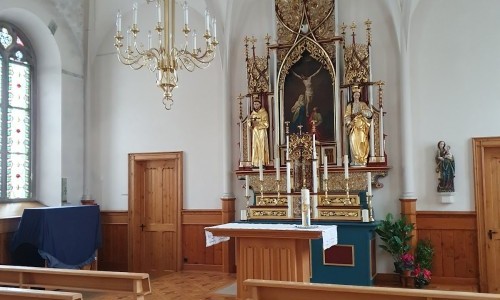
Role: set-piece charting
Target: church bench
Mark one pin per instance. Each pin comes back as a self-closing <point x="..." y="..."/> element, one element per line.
<point x="25" y="294"/>
<point x="136" y="284"/>
<point x="271" y="290"/>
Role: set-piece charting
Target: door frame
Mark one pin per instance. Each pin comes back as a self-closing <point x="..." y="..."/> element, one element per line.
<point x="136" y="163"/>
<point x="478" y="146"/>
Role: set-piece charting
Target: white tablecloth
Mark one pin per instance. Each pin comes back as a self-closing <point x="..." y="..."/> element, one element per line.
<point x="329" y="232"/>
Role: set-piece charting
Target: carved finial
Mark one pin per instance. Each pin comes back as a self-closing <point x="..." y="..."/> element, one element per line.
<point x="287" y="127"/>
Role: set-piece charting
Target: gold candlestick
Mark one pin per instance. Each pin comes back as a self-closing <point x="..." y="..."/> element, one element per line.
<point x="278" y="188"/>
<point x="370" y="208"/>
<point x="248" y="206"/>
<point x="262" y="190"/>
<point x="325" y="187"/>
<point x="348" y="198"/>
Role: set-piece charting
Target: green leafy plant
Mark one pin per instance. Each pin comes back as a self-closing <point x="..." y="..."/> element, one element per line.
<point x="396" y="236"/>
<point x="423" y="261"/>
<point x="424" y="254"/>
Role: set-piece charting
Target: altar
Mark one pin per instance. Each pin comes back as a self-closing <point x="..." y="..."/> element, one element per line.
<point x="271" y="251"/>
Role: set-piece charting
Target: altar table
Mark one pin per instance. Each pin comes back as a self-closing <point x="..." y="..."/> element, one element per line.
<point x="271" y="251"/>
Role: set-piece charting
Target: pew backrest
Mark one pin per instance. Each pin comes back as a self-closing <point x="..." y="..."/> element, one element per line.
<point x="271" y="289"/>
<point x="26" y="294"/>
<point x="137" y="284"/>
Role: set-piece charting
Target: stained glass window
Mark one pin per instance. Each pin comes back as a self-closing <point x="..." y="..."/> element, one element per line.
<point x="16" y="141"/>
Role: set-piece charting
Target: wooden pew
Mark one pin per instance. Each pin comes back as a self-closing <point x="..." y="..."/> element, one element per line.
<point x="25" y="294"/>
<point x="271" y="290"/>
<point x="136" y="284"/>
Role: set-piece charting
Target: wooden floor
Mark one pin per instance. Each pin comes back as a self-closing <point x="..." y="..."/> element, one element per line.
<point x="189" y="285"/>
<point x="193" y="285"/>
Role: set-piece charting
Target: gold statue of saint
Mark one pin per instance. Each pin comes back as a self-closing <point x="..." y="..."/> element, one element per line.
<point x="259" y="121"/>
<point x="357" y="121"/>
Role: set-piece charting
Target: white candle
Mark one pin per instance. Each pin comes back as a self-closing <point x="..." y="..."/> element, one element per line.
<point x="261" y="171"/>
<point x="194" y="41"/>
<point x="277" y="162"/>
<point x="207" y="20"/>
<point x="364" y="215"/>
<point x="306" y="207"/>
<point x="186" y="13"/>
<point x="246" y="185"/>
<point x="306" y="199"/>
<point x="369" y="181"/>
<point x="346" y="167"/>
<point x="287" y="146"/>
<point x="150" y="40"/>
<point x="158" y="11"/>
<point x="288" y="181"/>
<point x="214" y="28"/>
<point x="314" y="146"/>
<point x="134" y="10"/>
<point x="128" y="38"/>
<point x="118" y="21"/>
<point x="325" y="167"/>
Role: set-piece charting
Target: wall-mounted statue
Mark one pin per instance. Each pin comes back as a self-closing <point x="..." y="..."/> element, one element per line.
<point x="259" y="121"/>
<point x="357" y="121"/>
<point x="445" y="168"/>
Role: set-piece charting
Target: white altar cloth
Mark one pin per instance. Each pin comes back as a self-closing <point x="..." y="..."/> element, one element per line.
<point x="329" y="232"/>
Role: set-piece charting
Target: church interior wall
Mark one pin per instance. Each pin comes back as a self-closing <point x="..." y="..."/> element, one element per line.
<point x="454" y="69"/>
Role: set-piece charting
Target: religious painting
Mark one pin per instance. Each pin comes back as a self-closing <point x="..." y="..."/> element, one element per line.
<point x="308" y="98"/>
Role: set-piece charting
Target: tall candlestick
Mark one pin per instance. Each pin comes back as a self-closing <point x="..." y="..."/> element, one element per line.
<point x="261" y="171"/>
<point x="369" y="181"/>
<point x="246" y="185"/>
<point x="325" y="167"/>
<point x="277" y="166"/>
<point x="346" y="167"/>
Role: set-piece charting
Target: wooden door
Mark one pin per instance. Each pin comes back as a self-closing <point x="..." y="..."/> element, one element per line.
<point x="487" y="194"/>
<point x="155" y="204"/>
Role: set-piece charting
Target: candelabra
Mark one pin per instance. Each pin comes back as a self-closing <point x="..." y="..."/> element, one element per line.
<point x="165" y="59"/>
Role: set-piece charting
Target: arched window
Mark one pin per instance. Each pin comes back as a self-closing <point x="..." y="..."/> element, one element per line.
<point x="16" y="115"/>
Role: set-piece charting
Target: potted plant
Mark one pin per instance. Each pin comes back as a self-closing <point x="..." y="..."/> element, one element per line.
<point x="396" y="236"/>
<point x="423" y="262"/>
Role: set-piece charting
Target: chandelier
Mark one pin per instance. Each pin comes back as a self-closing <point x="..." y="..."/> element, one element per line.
<point x="164" y="58"/>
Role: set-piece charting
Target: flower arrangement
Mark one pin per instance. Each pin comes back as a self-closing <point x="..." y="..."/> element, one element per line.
<point x="422" y="276"/>
<point x="407" y="262"/>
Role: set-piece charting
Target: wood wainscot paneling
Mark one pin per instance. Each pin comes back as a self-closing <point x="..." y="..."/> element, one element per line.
<point x="196" y="255"/>
<point x="113" y="254"/>
<point x="7" y="228"/>
<point x="454" y="237"/>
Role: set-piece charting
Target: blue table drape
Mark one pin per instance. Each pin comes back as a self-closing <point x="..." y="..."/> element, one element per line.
<point x="66" y="236"/>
